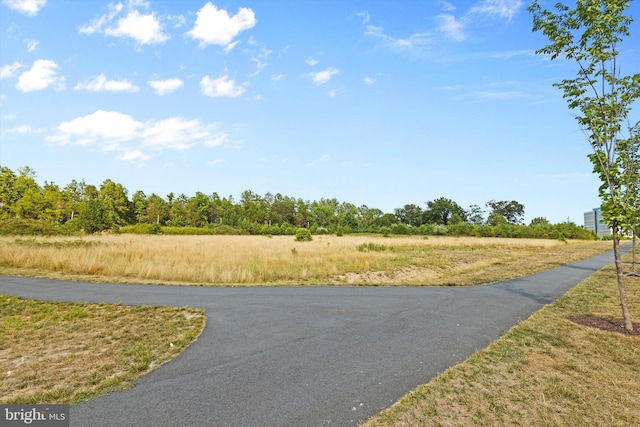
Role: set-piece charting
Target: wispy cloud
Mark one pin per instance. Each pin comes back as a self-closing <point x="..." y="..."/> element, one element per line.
<point x="335" y="92"/>
<point x="31" y="44"/>
<point x="505" y="9"/>
<point x="7" y="71"/>
<point x="365" y="17"/>
<point x="456" y="27"/>
<point x="322" y="159"/>
<point x="396" y="43"/>
<point x="25" y="129"/>
<point x="101" y="84"/>
<point x="450" y="26"/>
<point x="498" y="94"/>
<point x="261" y="61"/>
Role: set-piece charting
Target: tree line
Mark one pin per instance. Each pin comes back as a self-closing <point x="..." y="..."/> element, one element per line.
<point x="82" y="207"/>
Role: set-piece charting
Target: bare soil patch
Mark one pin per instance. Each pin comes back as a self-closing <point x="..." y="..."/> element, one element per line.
<point x="605" y="324"/>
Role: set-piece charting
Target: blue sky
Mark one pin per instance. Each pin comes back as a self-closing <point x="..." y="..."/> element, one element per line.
<point x="377" y="103"/>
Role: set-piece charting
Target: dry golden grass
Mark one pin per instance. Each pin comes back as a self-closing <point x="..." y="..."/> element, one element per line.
<point x="259" y="260"/>
<point x="64" y="353"/>
<point x="546" y="371"/>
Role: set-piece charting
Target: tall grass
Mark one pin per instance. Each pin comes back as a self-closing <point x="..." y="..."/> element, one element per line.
<point x="245" y="260"/>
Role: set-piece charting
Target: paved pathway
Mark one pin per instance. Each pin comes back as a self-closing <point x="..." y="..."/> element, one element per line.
<point x="305" y="356"/>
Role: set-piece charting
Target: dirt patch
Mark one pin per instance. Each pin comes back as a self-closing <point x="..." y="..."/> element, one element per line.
<point x="605" y="324"/>
<point x="409" y="274"/>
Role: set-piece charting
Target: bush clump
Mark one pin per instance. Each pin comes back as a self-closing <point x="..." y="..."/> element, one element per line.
<point x="303" y="235"/>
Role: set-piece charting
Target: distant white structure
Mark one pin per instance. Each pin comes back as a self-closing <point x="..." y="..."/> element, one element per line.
<point x="593" y="222"/>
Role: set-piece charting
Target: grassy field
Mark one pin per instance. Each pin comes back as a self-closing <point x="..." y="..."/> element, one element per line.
<point x="57" y="353"/>
<point x="546" y="371"/>
<point x="64" y="353"/>
<point x="260" y="260"/>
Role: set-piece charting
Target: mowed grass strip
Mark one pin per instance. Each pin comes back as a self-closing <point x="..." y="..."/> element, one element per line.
<point x="70" y="352"/>
<point x="546" y="371"/>
<point x="280" y="260"/>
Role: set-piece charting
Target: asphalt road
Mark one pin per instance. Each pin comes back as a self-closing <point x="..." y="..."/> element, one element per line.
<point x="305" y="356"/>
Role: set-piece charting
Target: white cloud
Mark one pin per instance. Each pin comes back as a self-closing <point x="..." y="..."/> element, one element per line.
<point x="365" y="17"/>
<point x="24" y="129"/>
<point x="216" y="26"/>
<point x="9" y="70"/>
<point x="323" y="76"/>
<point x="180" y="134"/>
<point x="136" y="157"/>
<point x="311" y="61"/>
<point x="451" y="27"/>
<point x="27" y="7"/>
<point x="369" y="80"/>
<point x="97" y="24"/>
<point x="502" y="8"/>
<point x="143" y="28"/>
<point x="261" y="61"/>
<point x="132" y="139"/>
<point x="413" y="41"/>
<point x="222" y="86"/>
<point x="101" y="84"/>
<point x="163" y="87"/>
<point x="31" y="44"/>
<point x="446" y="6"/>
<point x="335" y="92"/>
<point x="278" y="77"/>
<point x="228" y="48"/>
<point x="102" y="127"/>
<point x="42" y="74"/>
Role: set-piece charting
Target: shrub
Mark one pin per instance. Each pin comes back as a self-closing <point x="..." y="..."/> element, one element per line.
<point x="141" y="229"/>
<point x="366" y="247"/>
<point x="400" y="229"/>
<point x="440" y="230"/>
<point x="303" y="235"/>
<point x="29" y="227"/>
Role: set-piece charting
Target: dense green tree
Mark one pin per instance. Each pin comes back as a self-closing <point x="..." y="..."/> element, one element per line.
<point x="30" y="205"/>
<point x="74" y="194"/>
<point x="283" y="210"/>
<point x="139" y="206"/>
<point x="157" y="209"/>
<point x="93" y="216"/>
<point x="409" y="214"/>
<point x="8" y="194"/>
<point x="589" y="37"/>
<point x="303" y="213"/>
<point x="115" y="200"/>
<point x="197" y="210"/>
<point x="442" y="210"/>
<point x="54" y="203"/>
<point x="511" y="211"/>
<point x="324" y="212"/>
<point x="347" y="216"/>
